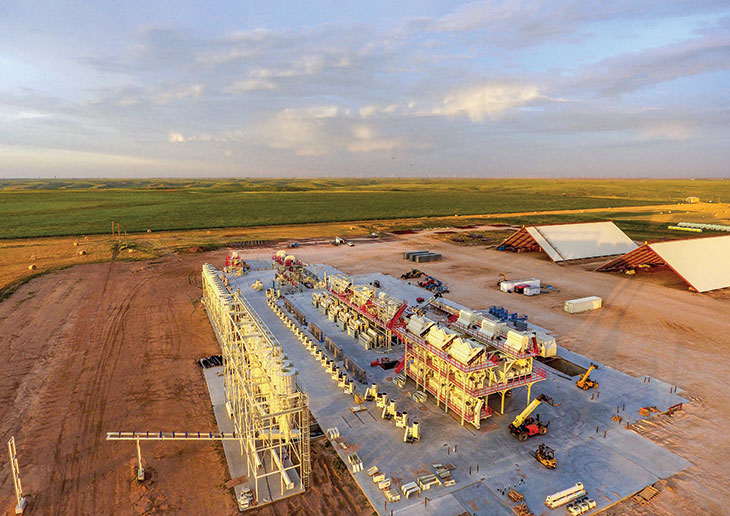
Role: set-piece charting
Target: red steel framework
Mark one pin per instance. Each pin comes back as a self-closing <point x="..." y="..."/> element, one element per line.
<point x="397" y="326"/>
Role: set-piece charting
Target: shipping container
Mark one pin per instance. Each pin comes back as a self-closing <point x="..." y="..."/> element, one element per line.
<point x="584" y="304"/>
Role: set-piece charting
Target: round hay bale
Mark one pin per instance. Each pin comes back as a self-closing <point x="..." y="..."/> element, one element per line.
<point x="32" y="267"/>
<point x="208" y="232"/>
<point x="76" y="244"/>
<point x="130" y="250"/>
<point x="32" y="258"/>
<point x="86" y="238"/>
<point x="82" y="252"/>
<point x="149" y="231"/>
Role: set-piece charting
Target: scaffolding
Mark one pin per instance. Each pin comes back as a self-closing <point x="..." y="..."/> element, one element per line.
<point x="270" y="414"/>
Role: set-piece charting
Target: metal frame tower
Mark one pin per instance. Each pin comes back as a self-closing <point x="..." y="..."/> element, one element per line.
<point x="270" y="413"/>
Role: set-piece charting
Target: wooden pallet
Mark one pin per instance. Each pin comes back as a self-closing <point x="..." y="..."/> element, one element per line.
<point x="514" y="495"/>
<point x="646" y="495"/>
<point x="522" y="510"/>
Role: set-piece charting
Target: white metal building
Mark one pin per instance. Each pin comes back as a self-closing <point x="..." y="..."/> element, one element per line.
<point x="563" y="242"/>
<point x="703" y="263"/>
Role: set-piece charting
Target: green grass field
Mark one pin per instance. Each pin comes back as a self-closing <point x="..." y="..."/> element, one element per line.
<point x="30" y="208"/>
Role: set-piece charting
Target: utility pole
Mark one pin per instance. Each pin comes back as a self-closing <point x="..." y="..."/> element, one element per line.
<point x="16" y="477"/>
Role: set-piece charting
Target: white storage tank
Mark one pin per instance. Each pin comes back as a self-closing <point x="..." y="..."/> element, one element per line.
<point x="288" y="379"/>
<point x="566" y="495"/>
<point x="584" y="304"/>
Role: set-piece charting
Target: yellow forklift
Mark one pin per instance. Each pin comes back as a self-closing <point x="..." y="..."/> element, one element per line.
<point x="586" y="383"/>
<point x="545" y="456"/>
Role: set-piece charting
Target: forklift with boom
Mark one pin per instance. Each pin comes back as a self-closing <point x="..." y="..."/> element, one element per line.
<point x="584" y="382"/>
<point x="525" y="426"/>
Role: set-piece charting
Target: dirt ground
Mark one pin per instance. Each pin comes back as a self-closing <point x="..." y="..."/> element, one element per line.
<point x="112" y="346"/>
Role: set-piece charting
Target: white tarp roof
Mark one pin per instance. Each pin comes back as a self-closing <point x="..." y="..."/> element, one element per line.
<point x="704" y="263"/>
<point x="584" y="240"/>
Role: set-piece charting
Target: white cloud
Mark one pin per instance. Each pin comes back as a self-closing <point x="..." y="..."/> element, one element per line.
<point x="362" y="132"/>
<point x="368" y="111"/>
<point x="304" y="136"/>
<point x="491" y="100"/>
<point x="250" y="85"/>
<point x="173" y="95"/>
<point x="367" y="140"/>
<point x="315" y="112"/>
<point x="180" y="138"/>
<point x="127" y="101"/>
<point x="222" y="56"/>
<point x="372" y="145"/>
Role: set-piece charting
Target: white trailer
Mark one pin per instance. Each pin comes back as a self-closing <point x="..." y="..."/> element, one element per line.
<point x="584" y="304"/>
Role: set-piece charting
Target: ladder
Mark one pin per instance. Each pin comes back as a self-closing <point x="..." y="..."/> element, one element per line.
<point x="306" y="454"/>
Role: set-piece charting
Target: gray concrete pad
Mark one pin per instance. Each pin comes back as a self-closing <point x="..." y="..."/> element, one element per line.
<point x="479" y="500"/>
<point x="611" y="467"/>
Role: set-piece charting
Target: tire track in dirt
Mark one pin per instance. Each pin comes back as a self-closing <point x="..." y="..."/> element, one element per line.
<point x="66" y="461"/>
<point x="93" y="405"/>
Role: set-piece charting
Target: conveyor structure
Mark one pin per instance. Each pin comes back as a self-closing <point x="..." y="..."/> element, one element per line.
<point x="270" y="414"/>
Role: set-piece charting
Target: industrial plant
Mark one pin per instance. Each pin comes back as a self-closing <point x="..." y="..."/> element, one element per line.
<point x="416" y="393"/>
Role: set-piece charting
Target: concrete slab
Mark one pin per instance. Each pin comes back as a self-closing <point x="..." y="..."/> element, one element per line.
<point x="479" y="500"/>
<point x="489" y="460"/>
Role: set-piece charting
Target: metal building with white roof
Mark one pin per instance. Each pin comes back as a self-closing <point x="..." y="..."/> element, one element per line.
<point x="577" y="241"/>
<point x="703" y="263"/>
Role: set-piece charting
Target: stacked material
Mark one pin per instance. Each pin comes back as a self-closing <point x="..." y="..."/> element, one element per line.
<point x="421" y="256"/>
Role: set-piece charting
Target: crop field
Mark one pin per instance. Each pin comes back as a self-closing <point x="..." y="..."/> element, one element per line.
<point x="32" y="208"/>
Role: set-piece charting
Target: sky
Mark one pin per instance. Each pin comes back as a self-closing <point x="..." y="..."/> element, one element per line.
<point x="495" y="88"/>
